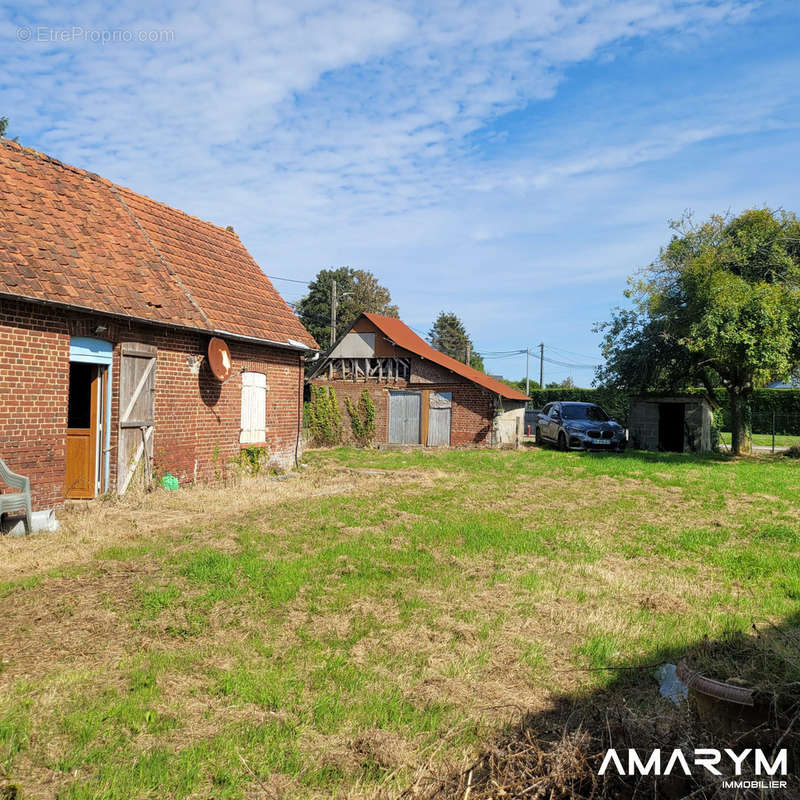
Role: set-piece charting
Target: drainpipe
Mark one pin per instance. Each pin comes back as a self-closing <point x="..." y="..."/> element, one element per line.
<point x="301" y="372"/>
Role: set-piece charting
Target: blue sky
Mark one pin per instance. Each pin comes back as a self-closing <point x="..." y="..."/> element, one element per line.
<point x="511" y="162"/>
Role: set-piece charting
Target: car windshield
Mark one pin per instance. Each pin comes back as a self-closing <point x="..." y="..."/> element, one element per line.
<point x="592" y="413"/>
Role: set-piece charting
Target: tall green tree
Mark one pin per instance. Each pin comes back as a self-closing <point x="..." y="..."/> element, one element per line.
<point x="357" y="291"/>
<point x="449" y="336"/>
<point x="719" y="306"/>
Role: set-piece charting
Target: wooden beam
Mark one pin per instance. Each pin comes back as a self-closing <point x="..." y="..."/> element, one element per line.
<point x="425" y="416"/>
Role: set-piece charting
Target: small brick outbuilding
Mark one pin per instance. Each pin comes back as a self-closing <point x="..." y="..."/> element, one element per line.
<point x="108" y="301"/>
<point x="421" y="396"/>
<point x="679" y="423"/>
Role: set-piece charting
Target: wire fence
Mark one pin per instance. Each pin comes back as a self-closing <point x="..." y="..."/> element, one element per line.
<point x="772" y="429"/>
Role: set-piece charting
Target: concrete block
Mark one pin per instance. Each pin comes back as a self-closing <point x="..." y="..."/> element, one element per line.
<point x="41" y="522"/>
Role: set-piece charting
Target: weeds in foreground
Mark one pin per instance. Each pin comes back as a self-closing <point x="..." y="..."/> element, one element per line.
<point x="381" y="614"/>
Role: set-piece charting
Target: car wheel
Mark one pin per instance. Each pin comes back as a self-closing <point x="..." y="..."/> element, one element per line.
<point x="562" y="441"/>
<point x="538" y="436"/>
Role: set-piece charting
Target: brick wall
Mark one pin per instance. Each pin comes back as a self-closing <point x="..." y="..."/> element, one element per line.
<point x="34" y="380"/>
<point x="472" y="414"/>
<point x="472" y="410"/>
<point x="380" y="397"/>
<point x="197" y="418"/>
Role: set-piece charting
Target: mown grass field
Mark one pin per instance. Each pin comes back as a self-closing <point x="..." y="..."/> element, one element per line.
<point x="765" y="439"/>
<point x="381" y="614"/>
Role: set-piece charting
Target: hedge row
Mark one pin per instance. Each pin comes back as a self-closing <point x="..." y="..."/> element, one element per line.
<point x="783" y="403"/>
<point x="613" y="401"/>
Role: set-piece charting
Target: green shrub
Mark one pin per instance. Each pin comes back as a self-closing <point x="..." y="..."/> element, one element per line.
<point x="324" y="417"/>
<point x="362" y="418"/>
<point x="717" y="422"/>
<point x="252" y="460"/>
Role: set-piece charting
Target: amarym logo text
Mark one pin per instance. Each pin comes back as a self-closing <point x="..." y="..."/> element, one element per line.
<point x="706" y="758"/>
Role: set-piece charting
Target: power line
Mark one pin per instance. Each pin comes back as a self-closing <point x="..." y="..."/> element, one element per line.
<point x="570" y="352"/>
<point x="569" y="365"/>
<point x="502" y="354"/>
<point x="290" y="280"/>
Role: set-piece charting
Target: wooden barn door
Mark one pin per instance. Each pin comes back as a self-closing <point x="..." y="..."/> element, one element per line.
<point x="439" y="419"/>
<point x="82" y="417"/>
<point x="137" y="390"/>
<point x="404" y="417"/>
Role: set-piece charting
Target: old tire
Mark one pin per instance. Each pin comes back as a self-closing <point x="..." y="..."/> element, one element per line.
<point x="562" y="442"/>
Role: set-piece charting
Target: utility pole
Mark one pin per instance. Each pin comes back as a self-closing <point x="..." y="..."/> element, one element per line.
<point x="527" y="370"/>
<point x="541" y="365"/>
<point x="333" y="312"/>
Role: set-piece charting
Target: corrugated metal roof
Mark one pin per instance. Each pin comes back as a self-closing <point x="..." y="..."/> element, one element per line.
<point x="404" y="337"/>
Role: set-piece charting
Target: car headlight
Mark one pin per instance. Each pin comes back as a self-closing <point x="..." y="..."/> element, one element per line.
<point x="574" y="431"/>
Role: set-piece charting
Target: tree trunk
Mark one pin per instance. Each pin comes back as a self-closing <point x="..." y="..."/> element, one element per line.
<point x="740" y="423"/>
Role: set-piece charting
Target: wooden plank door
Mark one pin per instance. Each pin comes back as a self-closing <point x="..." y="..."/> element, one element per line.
<point x="404" y="417"/>
<point x="137" y="389"/>
<point x="439" y="419"/>
<point x="79" y="478"/>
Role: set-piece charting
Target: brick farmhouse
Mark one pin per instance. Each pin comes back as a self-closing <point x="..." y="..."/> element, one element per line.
<point x="421" y="396"/>
<point x="108" y="302"/>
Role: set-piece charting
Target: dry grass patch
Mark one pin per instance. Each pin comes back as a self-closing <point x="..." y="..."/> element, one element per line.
<point x="337" y="632"/>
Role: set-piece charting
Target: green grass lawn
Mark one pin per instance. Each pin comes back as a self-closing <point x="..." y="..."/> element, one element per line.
<point x="328" y="635"/>
<point x="765" y="439"/>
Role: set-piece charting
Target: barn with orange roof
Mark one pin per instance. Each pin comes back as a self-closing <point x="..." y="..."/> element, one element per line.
<point x="421" y="396"/>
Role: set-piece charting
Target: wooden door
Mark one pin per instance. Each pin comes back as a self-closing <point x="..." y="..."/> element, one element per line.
<point x="404" y="417"/>
<point x="137" y="387"/>
<point x="439" y="419"/>
<point x="82" y="409"/>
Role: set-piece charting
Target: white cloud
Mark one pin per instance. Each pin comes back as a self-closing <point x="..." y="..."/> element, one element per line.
<point x="356" y="132"/>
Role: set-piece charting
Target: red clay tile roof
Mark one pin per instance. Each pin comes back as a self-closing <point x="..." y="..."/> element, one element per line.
<point x="69" y="236"/>
<point x="404" y="337"/>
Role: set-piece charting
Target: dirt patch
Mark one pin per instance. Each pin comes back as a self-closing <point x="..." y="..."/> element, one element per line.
<point x="69" y="621"/>
<point x="383" y="748"/>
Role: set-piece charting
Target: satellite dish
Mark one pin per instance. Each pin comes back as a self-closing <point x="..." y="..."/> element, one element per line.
<point x="219" y="359"/>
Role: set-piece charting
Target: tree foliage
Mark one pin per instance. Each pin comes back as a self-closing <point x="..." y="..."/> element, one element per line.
<point x="449" y="336"/>
<point x="357" y="291"/>
<point x="520" y="384"/>
<point x="362" y="418"/>
<point x="324" y="417"/>
<point x="4" y="128"/>
<point x="719" y="306"/>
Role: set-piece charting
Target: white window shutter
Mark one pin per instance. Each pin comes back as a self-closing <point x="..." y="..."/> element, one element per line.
<point x="254" y="408"/>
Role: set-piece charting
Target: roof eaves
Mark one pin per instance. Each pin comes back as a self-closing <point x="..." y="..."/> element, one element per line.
<point x="290" y="344"/>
